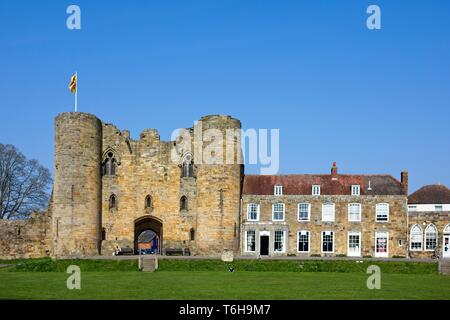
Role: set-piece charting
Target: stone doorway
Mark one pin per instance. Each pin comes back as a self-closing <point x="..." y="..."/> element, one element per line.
<point x="148" y="235"/>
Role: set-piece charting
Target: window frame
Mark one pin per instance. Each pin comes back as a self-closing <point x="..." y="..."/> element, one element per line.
<point x="436" y="233"/>
<point x="283" y="232"/>
<point x="411" y="248"/>
<point x="332" y="243"/>
<point x="273" y="211"/>
<point x="314" y="188"/>
<point x="246" y="241"/>
<point x="334" y="211"/>
<point x="376" y="212"/>
<point x="298" y="241"/>
<point x="278" y="190"/>
<point x="257" y="211"/>
<point x="360" y="211"/>
<point x="356" y="187"/>
<point x="309" y="212"/>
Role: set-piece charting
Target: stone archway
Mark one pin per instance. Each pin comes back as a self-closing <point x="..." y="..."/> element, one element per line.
<point x="148" y="223"/>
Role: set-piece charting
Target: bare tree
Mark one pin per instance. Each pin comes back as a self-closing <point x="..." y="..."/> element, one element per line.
<point x="24" y="184"/>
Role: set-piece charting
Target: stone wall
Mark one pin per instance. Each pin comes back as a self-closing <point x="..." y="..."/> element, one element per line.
<point x="25" y="238"/>
<point x="146" y="168"/>
<point x="77" y="185"/>
<point x="423" y="219"/>
<point x="396" y="226"/>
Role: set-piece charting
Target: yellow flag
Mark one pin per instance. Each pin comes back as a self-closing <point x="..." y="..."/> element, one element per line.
<point x="73" y="84"/>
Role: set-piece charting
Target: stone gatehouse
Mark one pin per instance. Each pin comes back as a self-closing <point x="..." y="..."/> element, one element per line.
<point x="111" y="191"/>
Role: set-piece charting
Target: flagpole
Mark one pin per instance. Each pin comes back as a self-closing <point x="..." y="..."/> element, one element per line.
<point x="76" y="92"/>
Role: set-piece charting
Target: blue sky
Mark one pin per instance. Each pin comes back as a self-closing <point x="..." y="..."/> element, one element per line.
<point x="374" y="101"/>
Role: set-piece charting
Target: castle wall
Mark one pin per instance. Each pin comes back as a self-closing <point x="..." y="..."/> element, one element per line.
<point x="146" y="168"/>
<point x="25" y="238"/>
<point x="77" y="185"/>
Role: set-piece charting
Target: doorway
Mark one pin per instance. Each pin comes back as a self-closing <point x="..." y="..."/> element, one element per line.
<point x="354" y="244"/>
<point x="382" y="244"/>
<point x="446" y="247"/>
<point x="264" y="245"/>
<point x="148" y="235"/>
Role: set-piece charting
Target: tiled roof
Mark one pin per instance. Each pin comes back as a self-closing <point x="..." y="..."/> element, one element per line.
<point x="433" y="194"/>
<point x="341" y="184"/>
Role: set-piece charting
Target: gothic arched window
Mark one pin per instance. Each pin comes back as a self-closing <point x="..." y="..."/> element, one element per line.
<point x="431" y="237"/>
<point x="188" y="166"/>
<point x="112" y="202"/>
<point x="148" y="202"/>
<point x="183" y="203"/>
<point x="416" y="238"/>
<point x="109" y="165"/>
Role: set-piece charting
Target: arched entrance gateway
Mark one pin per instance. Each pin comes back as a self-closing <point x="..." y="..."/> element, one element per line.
<point x="148" y="235"/>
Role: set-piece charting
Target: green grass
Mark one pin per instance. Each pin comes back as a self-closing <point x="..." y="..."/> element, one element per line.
<point x="209" y="279"/>
<point x="205" y="285"/>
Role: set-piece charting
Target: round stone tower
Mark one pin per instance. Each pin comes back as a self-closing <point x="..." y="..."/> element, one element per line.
<point x="76" y="218"/>
<point x="218" y="184"/>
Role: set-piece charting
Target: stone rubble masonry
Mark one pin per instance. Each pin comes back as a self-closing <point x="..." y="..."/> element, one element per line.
<point x="25" y="238"/>
<point x="146" y="169"/>
<point x="77" y="185"/>
<point x="396" y="226"/>
<point x="79" y="221"/>
<point x="423" y="219"/>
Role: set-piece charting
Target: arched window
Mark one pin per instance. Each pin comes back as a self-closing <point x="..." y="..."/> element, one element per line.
<point x="431" y="237"/>
<point x="112" y="202"/>
<point x="183" y="203"/>
<point x="109" y="165"/>
<point x="447" y="229"/>
<point x="416" y="238"/>
<point x="103" y="234"/>
<point x="192" y="234"/>
<point x="188" y="166"/>
<point x="148" y="202"/>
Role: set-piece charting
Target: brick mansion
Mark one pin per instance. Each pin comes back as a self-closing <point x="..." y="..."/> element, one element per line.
<point x="111" y="191"/>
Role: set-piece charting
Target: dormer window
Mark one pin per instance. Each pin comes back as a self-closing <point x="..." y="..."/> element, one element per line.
<point x="278" y="190"/>
<point x="356" y="190"/>
<point x="316" y="190"/>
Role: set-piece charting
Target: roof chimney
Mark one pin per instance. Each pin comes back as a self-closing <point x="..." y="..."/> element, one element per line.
<point x="334" y="171"/>
<point x="404" y="181"/>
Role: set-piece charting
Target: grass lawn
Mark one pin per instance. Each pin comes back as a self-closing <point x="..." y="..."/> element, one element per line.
<point x="172" y="283"/>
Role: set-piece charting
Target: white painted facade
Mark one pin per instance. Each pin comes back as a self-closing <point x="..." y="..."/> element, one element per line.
<point x="428" y="207"/>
